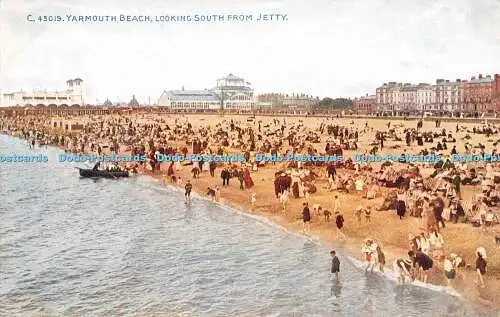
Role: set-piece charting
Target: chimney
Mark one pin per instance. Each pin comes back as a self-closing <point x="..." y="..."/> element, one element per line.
<point x="182" y="88"/>
<point x="480" y="76"/>
<point x="458" y="80"/>
<point x="447" y="81"/>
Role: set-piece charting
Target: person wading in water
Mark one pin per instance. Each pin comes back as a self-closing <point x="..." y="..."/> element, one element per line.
<point x="188" y="187"/>
<point x="335" y="266"/>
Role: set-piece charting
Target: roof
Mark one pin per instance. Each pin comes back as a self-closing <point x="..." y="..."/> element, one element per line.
<point x="206" y="95"/>
<point x="483" y="80"/>
<point x="231" y="77"/>
<point x="240" y="88"/>
<point x="368" y="97"/>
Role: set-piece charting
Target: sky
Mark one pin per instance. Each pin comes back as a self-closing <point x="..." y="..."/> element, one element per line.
<point x="326" y="48"/>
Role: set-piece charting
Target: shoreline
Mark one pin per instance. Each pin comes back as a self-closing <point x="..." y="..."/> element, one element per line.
<point x="349" y="247"/>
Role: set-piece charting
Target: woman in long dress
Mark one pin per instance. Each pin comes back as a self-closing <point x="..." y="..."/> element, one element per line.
<point x="401" y="205"/>
<point x="247" y="178"/>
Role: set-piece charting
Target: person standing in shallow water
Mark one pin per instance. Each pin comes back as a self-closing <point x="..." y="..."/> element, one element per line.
<point x="380" y="257"/>
<point x="335" y="266"/>
<point x="187" y="194"/>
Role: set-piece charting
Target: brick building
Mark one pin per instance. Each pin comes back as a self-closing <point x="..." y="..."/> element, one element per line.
<point x="366" y="104"/>
<point x="496" y="93"/>
<point x="478" y="94"/>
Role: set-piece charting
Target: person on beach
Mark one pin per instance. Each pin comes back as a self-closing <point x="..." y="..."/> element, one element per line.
<point x="224" y="174"/>
<point x="449" y="270"/>
<point x="480" y="266"/>
<point x="187" y="194"/>
<point x="339" y="221"/>
<point x="424" y="244"/>
<point x="284" y="200"/>
<point x="217" y="193"/>
<point x="335" y="266"/>
<point x="437" y="244"/>
<point x="438" y="206"/>
<point x="422" y="262"/>
<point x="241" y="179"/>
<point x="368" y="214"/>
<point x="367" y="251"/>
<point x="403" y="270"/>
<point x="247" y="178"/>
<point x="336" y="204"/>
<point x="212" y="167"/>
<point x="359" y="210"/>
<point x="306" y="218"/>
<point x="210" y="193"/>
<point x="380" y="258"/>
<point x="253" y="199"/>
<point x="458" y="262"/>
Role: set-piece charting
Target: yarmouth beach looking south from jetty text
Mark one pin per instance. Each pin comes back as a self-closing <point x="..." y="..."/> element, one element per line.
<point x="124" y="18"/>
<point x="250" y="158"/>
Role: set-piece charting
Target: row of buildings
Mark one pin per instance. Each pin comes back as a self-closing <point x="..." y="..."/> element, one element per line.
<point x="231" y="92"/>
<point x="480" y="94"/>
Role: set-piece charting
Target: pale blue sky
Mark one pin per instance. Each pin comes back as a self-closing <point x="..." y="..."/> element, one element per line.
<point x="326" y="48"/>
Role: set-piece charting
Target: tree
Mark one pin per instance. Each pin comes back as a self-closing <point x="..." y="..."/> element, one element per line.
<point x="337" y="103"/>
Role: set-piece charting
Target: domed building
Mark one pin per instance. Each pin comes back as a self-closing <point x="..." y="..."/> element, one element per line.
<point x="133" y="102"/>
<point x="231" y="92"/>
<point x="234" y="92"/>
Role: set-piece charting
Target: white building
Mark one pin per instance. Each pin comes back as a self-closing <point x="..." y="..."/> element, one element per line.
<point x="406" y="101"/>
<point x="426" y="97"/>
<point x="444" y="96"/>
<point x="449" y="96"/>
<point x="73" y="95"/>
<point x="189" y="99"/>
<point x="388" y="96"/>
<point x="231" y="92"/>
<point x="235" y="93"/>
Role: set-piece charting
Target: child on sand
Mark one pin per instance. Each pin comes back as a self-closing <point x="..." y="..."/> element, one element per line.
<point x="358" y="212"/>
<point x="368" y="254"/>
<point x="254" y="199"/>
<point x="368" y="214"/>
<point x="217" y="193"/>
<point x="449" y="270"/>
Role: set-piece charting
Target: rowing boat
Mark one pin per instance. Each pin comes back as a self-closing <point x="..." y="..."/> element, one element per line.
<point x="102" y="173"/>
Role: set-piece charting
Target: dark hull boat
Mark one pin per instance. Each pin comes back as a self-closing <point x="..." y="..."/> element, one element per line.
<point x="101" y="173"/>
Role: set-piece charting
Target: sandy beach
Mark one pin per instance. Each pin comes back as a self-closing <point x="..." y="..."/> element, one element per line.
<point x="386" y="228"/>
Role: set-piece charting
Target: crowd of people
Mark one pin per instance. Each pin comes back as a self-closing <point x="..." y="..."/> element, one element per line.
<point x="432" y="191"/>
